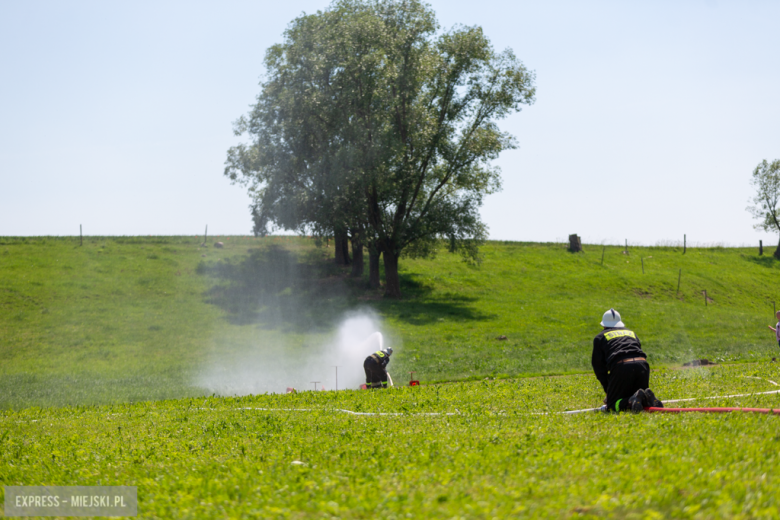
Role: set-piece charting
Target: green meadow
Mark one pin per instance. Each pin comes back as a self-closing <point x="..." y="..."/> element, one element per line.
<point x="101" y="345"/>
<point x="479" y="449"/>
<point x="126" y="319"/>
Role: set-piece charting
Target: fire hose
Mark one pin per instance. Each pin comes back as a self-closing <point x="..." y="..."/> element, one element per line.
<point x="653" y="409"/>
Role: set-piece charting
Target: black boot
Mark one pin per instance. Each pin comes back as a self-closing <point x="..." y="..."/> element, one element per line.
<point x="652" y="400"/>
<point x="637" y="401"/>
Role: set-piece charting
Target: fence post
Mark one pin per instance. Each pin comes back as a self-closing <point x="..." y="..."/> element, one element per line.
<point x="575" y="244"/>
<point x="679" y="277"/>
<point x="643" y="266"/>
<point x="602" y="254"/>
<point x="760" y="247"/>
<point x="685" y="243"/>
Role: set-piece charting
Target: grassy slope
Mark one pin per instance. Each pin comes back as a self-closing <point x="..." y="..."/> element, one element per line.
<point x="130" y="319"/>
<point x="127" y="319"/>
<point x="548" y="302"/>
<point x="231" y="457"/>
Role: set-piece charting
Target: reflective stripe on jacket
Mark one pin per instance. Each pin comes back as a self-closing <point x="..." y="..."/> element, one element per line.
<point x="610" y="346"/>
<point x="380" y="358"/>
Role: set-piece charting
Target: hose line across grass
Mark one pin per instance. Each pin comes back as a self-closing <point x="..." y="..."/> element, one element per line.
<point x="715" y="410"/>
<point x="712" y="410"/>
<point x="665" y="410"/>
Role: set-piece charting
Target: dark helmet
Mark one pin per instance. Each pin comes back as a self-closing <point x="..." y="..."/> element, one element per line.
<point x="388" y="350"/>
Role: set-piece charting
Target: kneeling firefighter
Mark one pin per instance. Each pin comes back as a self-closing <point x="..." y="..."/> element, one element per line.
<point x="621" y="366"/>
<point x="375" y="366"/>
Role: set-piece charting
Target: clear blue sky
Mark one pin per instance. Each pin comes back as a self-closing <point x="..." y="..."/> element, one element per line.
<point x="649" y="120"/>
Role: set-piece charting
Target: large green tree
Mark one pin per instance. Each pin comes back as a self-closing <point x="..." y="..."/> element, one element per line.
<point x="373" y="122"/>
<point x="766" y="181"/>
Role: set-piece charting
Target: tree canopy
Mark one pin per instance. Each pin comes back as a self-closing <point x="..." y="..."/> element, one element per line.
<point x="373" y="123"/>
<point x="766" y="181"/>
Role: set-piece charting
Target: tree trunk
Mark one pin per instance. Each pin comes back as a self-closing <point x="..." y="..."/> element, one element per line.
<point x="392" y="281"/>
<point x="357" y="256"/>
<point x="341" y="245"/>
<point x="777" y="251"/>
<point x="345" y="247"/>
<point x="373" y="268"/>
<point x="338" y="249"/>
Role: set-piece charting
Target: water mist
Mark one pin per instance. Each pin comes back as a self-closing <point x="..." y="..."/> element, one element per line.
<point x="262" y="369"/>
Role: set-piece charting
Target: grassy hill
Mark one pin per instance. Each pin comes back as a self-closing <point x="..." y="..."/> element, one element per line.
<point x="133" y="318"/>
<point x="122" y="320"/>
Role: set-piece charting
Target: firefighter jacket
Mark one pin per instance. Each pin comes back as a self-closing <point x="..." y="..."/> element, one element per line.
<point x="380" y="358"/>
<point x="610" y="346"/>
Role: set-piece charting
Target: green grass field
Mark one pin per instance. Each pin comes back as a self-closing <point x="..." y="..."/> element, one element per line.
<point x="502" y="452"/>
<point x="102" y="343"/>
<point x="124" y="319"/>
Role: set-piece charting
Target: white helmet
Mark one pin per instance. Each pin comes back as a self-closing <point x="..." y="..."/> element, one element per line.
<point x="611" y="319"/>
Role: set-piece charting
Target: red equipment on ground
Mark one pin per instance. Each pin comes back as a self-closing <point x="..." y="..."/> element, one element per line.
<point x="712" y="410"/>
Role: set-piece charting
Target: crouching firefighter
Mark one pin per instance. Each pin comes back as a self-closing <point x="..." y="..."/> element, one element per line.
<point x="375" y="366"/>
<point x="621" y="367"/>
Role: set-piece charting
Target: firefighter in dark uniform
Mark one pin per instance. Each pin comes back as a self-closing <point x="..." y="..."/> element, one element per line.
<point x="621" y="366"/>
<point x="375" y="366"/>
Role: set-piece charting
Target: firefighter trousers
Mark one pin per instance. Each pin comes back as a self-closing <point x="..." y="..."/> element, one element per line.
<point x="376" y="375"/>
<point x="624" y="380"/>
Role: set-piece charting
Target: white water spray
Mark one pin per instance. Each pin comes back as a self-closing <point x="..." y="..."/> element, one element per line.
<point x="272" y="367"/>
<point x="376" y="337"/>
